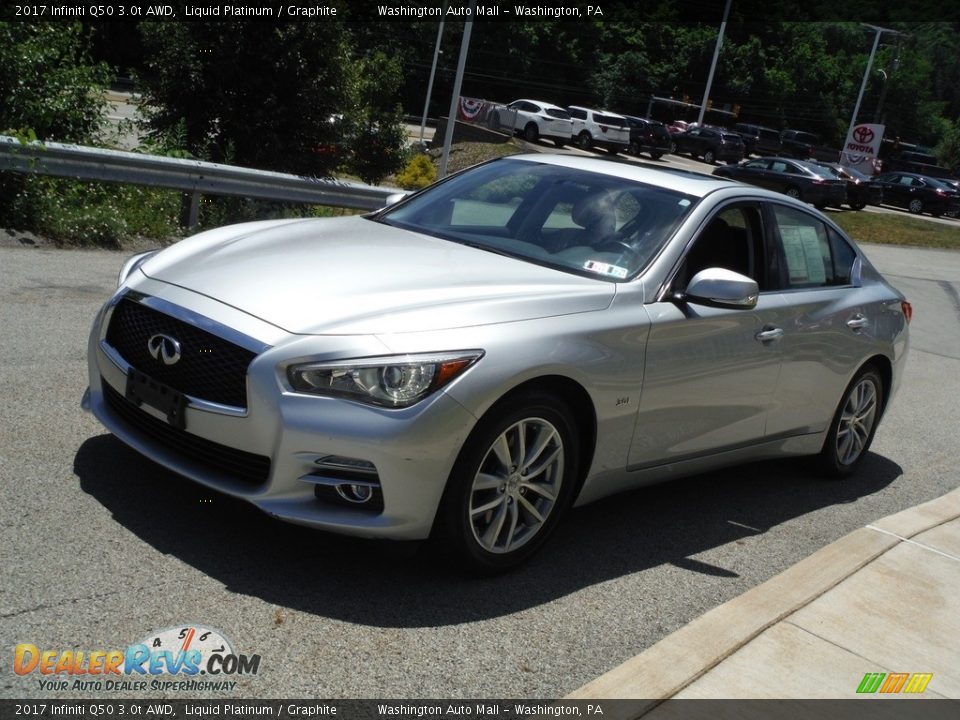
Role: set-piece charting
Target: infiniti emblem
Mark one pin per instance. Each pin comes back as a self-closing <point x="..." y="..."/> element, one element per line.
<point x="165" y="348"/>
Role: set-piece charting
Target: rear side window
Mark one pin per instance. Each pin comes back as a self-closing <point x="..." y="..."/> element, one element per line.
<point x="610" y="120"/>
<point x="814" y="255"/>
<point x="558" y="113"/>
<point x="577" y="113"/>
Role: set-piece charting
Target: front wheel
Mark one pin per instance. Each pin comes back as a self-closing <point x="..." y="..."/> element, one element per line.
<point x="857" y="205"/>
<point x="709" y="157"/>
<point x="792" y="192"/>
<point x="559" y="143"/>
<point x="531" y="133"/>
<point x="656" y="155"/>
<point x="916" y="206"/>
<point x="511" y="484"/>
<point x="854" y="424"/>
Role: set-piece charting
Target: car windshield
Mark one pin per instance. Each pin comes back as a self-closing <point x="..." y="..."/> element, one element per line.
<point x="591" y="224"/>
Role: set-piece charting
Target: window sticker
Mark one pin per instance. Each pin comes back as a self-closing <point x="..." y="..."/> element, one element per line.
<point x="602" y="268"/>
<point x="802" y="250"/>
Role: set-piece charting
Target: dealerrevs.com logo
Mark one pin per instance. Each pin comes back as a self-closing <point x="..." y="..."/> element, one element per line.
<point x="188" y="657"/>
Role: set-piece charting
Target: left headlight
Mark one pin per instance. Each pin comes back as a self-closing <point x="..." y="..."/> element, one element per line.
<point x="132" y="264"/>
<point x="394" y="381"/>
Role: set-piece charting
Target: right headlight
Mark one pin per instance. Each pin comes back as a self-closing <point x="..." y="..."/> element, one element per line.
<point x="394" y="381"/>
<point x="132" y="264"/>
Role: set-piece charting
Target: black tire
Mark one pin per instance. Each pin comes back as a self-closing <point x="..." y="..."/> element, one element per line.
<point x="834" y="459"/>
<point x="612" y="151"/>
<point x="457" y="520"/>
<point x="793" y="192"/>
<point x="709" y="157"/>
<point x="820" y="206"/>
<point x="857" y="205"/>
<point x="634" y="148"/>
<point x="916" y="206"/>
<point x="584" y="141"/>
<point x="656" y="155"/>
<point x="531" y="133"/>
<point x="673" y="147"/>
<point x="559" y="143"/>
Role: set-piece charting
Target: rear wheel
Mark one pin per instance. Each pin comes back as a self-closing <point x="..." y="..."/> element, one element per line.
<point x="673" y="147"/>
<point x="709" y="157"/>
<point x="634" y="147"/>
<point x="857" y="205"/>
<point x="854" y="424"/>
<point x="584" y="141"/>
<point x="559" y="143"/>
<point x="511" y="484"/>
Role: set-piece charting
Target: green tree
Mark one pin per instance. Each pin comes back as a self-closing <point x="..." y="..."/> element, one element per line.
<point x="48" y="83"/>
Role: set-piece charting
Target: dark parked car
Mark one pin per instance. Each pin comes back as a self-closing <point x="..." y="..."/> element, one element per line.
<point x="861" y="190"/>
<point x="649" y="136"/>
<point x="919" y="193"/>
<point x="758" y="139"/>
<point x="798" y="144"/>
<point x="710" y="143"/>
<point x="796" y="178"/>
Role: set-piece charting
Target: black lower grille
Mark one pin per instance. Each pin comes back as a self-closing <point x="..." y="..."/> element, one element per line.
<point x="239" y="464"/>
<point x="209" y="368"/>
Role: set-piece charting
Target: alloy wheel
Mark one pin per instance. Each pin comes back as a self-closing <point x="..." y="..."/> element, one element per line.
<point x="516" y="486"/>
<point x="857" y="421"/>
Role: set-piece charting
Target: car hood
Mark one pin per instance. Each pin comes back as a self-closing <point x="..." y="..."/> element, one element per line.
<point x="353" y="275"/>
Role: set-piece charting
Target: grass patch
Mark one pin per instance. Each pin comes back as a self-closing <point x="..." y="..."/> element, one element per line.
<point x="887" y="229"/>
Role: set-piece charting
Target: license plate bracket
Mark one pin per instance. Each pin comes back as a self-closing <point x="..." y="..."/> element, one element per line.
<point x="142" y="388"/>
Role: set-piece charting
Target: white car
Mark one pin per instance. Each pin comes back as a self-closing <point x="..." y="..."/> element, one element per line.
<point x="534" y="119"/>
<point x="599" y="128"/>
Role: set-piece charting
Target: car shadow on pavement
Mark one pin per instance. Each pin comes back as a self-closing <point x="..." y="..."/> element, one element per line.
<point x="334" y="576"/>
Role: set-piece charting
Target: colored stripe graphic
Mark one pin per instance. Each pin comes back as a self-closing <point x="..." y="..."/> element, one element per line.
<point x="893" y="683"/>
<point x="871" y="682"/>
<point x="918" y="683"/>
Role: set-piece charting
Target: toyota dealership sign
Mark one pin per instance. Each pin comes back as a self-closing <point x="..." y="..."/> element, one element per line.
<point x="862" y="147"/>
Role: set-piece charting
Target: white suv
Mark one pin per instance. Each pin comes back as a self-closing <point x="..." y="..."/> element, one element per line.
<point x="534" y="119"/>
<point x="599" y="128"/>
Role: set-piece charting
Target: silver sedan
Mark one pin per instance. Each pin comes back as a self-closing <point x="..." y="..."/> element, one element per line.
<point x="530" y="334"/>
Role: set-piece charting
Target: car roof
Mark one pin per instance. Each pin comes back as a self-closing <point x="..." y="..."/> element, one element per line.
<point x="684" y="181"/>
<point x="544" y="103"/>
<point x="594" y="110"/>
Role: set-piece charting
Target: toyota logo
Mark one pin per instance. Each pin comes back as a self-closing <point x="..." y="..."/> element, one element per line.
<point x="863" y="135"/>
<point x="164" y="348"/>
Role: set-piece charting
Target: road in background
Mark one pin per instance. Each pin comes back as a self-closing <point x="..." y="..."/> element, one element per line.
<point x="101" y="547"/>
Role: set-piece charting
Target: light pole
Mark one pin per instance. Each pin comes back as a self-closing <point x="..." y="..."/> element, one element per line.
<point x="713" y="65"/>
<point x="433" y="72"/>
<point x="455" y="99"/>
<point x="866" y="74"/>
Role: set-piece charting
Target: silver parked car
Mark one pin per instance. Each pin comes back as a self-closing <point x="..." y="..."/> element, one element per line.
<point x="532" y="333"/>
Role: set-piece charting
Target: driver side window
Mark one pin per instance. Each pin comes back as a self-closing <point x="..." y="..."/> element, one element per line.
<point x="732" y="239"/>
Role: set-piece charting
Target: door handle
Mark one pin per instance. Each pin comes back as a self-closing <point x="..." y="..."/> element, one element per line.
<point x="769" y="335"/>
<point x="857" y="322"/>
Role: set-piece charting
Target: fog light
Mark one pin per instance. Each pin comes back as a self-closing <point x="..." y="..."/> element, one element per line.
<point x="355" y="493"/>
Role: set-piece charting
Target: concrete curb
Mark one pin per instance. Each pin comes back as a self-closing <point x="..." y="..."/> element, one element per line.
<point x="664" y="669"/>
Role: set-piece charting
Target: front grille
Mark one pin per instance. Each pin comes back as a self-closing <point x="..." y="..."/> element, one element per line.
<point x="210" y="368"/>
<point x="239" y="464"/>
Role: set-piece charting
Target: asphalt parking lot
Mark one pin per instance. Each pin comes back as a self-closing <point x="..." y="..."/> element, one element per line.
<point x="100" y="547"/>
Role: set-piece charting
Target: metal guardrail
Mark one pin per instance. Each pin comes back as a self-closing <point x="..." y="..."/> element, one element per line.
<point x="190" y="176"/>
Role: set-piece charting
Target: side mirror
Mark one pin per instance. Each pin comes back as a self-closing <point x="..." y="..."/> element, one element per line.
<point x="723" y="288"/>
<point x="394" y="198"/>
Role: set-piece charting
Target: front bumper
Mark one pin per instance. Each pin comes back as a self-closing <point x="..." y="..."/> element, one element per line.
<point x="412" y="449"/>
